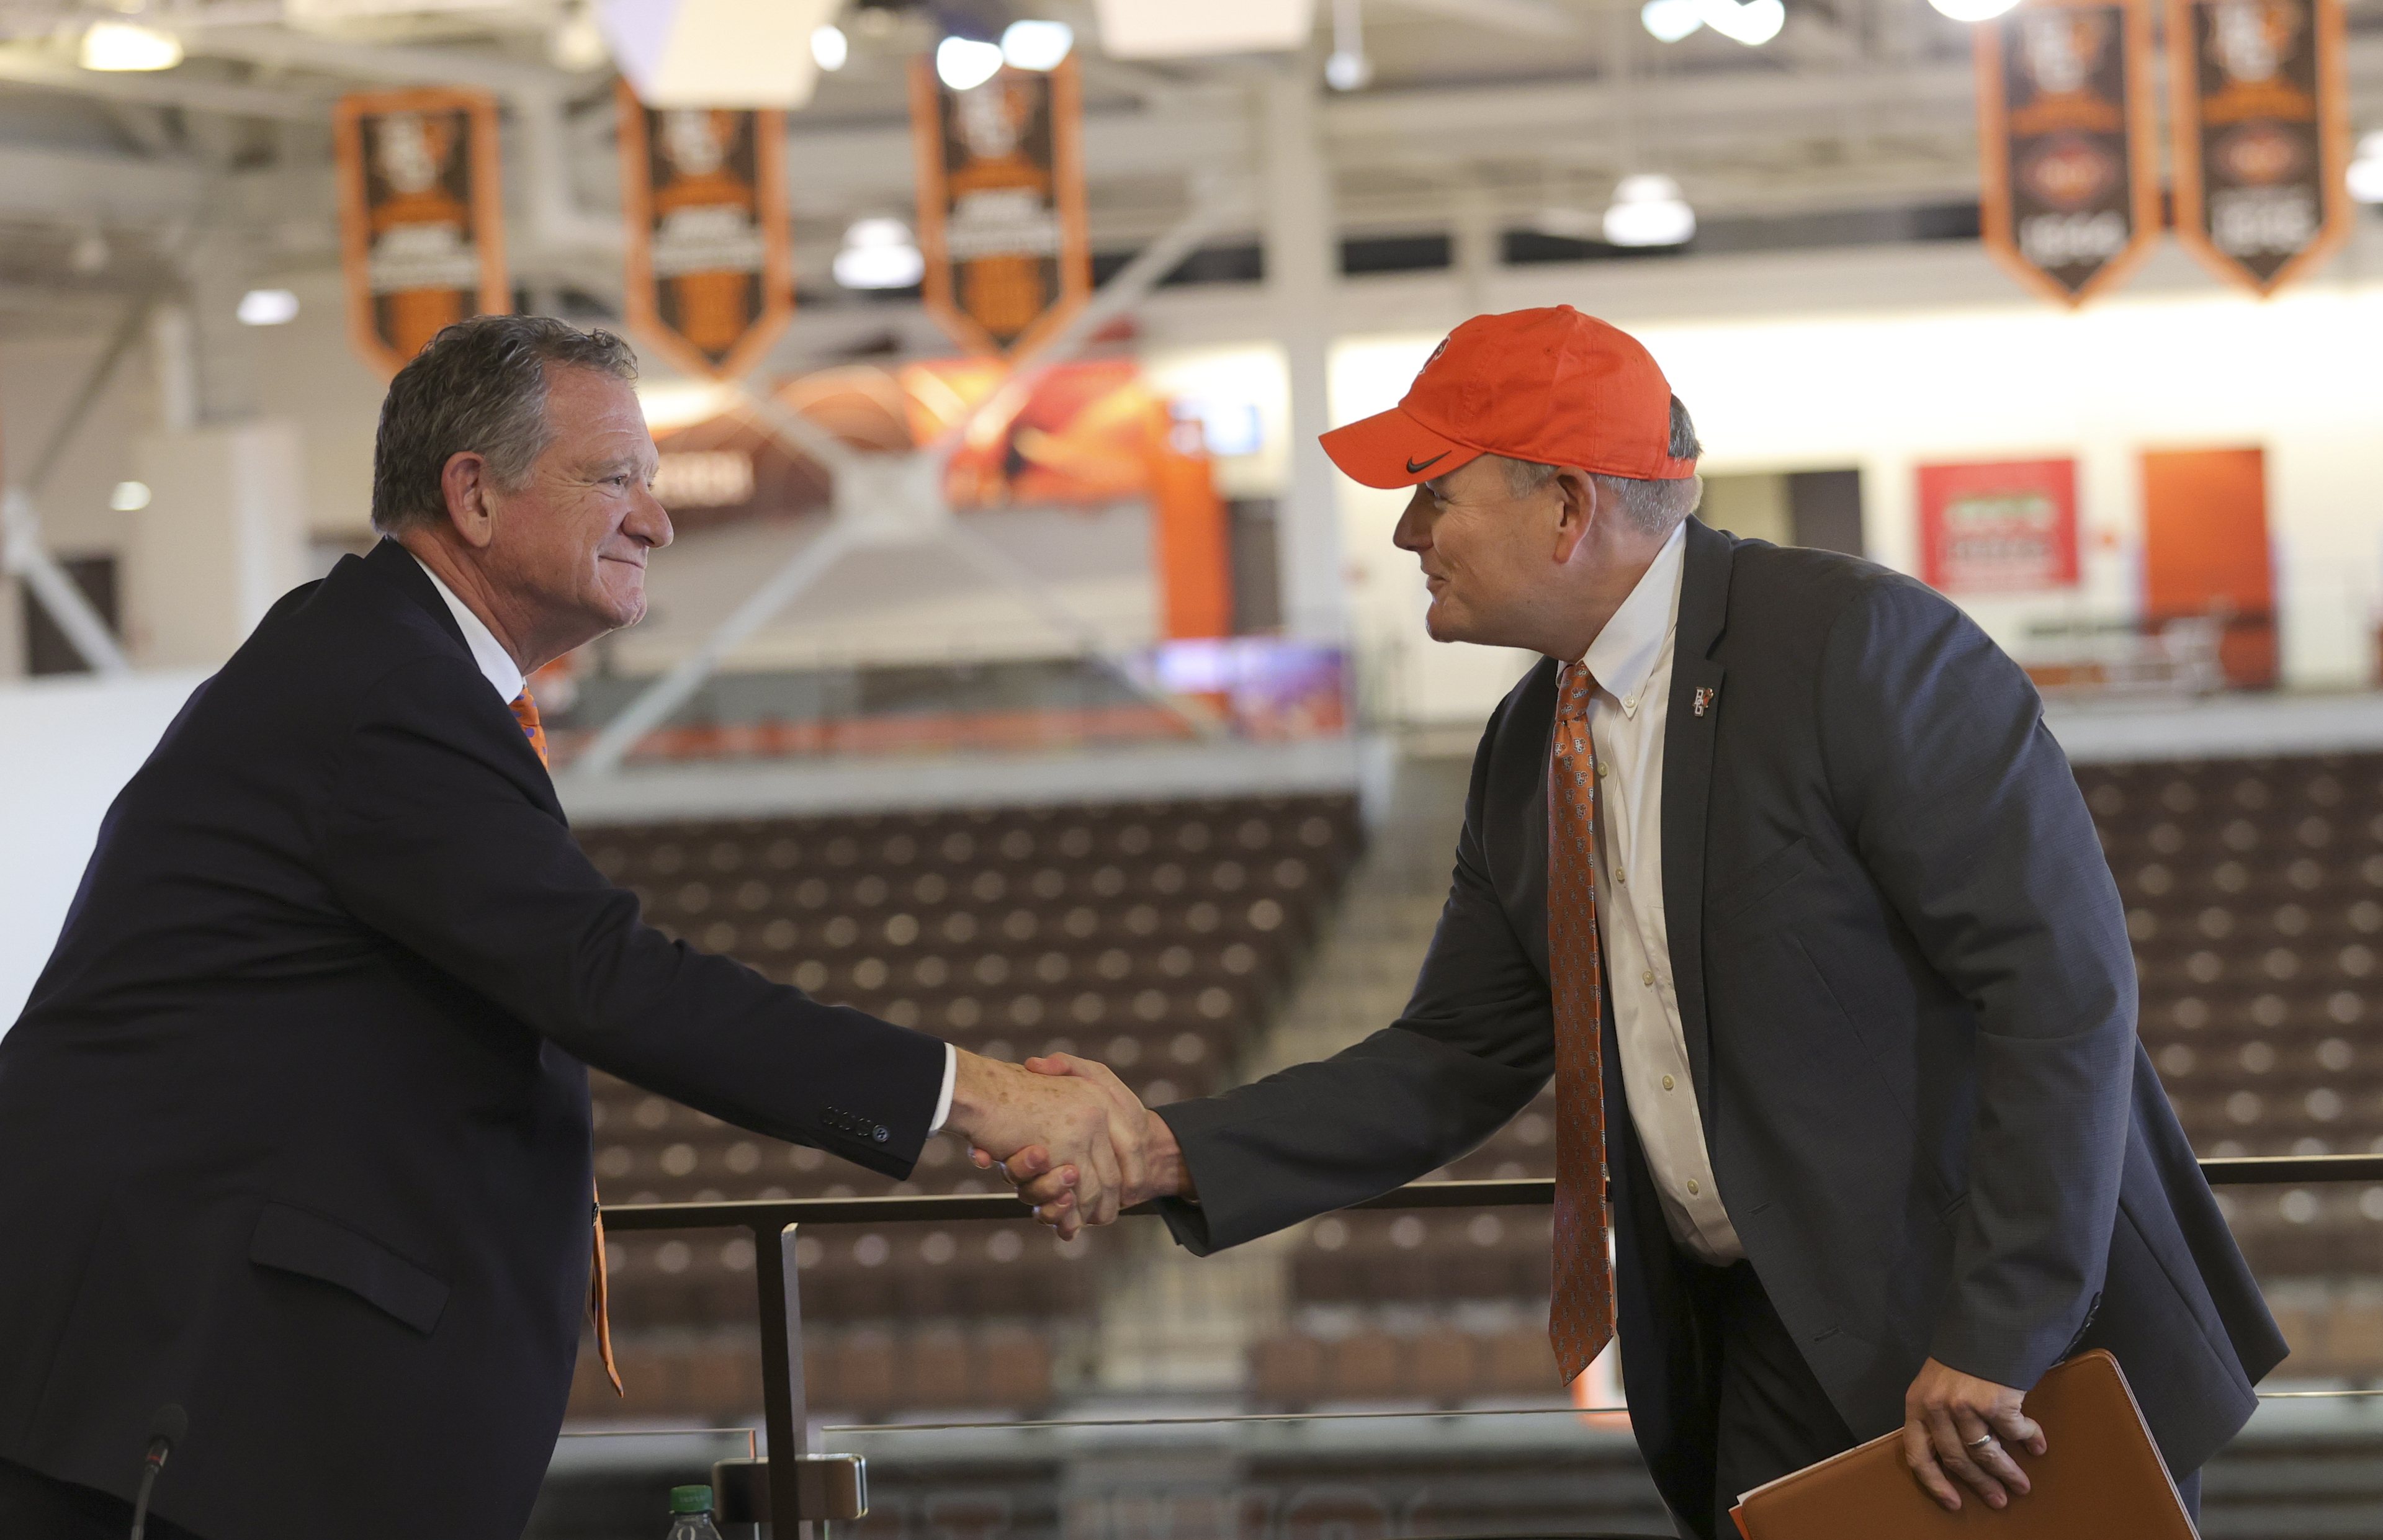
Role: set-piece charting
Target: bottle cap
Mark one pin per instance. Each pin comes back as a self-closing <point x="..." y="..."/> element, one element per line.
<point x="690" y="1499"/>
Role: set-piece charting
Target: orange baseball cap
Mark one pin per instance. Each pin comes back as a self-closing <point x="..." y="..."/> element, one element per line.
<point x="1551" y="386"/>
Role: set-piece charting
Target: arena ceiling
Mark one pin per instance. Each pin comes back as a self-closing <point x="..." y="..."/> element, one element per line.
<point x="1501" y="113"/>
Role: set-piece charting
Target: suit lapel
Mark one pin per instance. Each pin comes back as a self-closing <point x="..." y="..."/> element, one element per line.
<point x="1692" y="718"/>
<point x="1524" y="885"/>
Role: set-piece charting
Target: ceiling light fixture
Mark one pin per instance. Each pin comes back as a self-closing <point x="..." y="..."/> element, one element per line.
<point x="129" y="496"/>
<point x="1036" y="45"/>
<point x="267" y="307"/>
<point x="1348" y="68"/>
<point x="2366" y="171"/>
<point x="830" y="48"/>
<point x="1670" y="21"/>
<point x="1648" y="209"/>
<point x="965" y="63"/>
<point x="879" y="252"/>
<point x="124" y="45"/>
<point x="577" y="41"/>
<point x="1972" y="10"/>
<point x="1754" y="23"/>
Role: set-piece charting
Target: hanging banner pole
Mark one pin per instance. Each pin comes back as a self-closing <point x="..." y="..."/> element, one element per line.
<point x="2070" y="200"/>
<point x="2260" y="108"/>
<point x="422" y="227"/>
<point x="711" y="270"/>
<point x="1001" y="205"/>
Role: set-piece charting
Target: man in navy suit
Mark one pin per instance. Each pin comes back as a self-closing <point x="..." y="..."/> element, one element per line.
<point x="1836" y="990"/>
<point x="294" y="1128"/>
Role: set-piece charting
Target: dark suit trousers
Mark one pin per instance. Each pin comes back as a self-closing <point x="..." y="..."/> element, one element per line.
<point x="1770" y="1415"/>
<point x="35" y="1507"/>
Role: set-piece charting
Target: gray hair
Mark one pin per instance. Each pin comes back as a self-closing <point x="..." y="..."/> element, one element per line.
<point x="478" y="387"/>
<point x="1653" y="506"/>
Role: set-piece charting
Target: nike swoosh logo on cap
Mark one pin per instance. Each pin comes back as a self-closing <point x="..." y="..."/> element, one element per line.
<point x="1415" y="465"/>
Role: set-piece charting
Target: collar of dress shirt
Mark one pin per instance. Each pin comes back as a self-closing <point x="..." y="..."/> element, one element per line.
<point x="1625" y="652"/>
<point x="495" y="663"/>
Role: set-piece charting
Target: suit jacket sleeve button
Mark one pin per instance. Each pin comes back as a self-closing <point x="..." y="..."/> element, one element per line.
<point x="881" y="1135"/>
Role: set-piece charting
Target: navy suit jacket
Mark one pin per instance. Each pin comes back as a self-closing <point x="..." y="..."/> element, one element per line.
<point x="1909" y="1004"/>
<point x="294" y="1128"/>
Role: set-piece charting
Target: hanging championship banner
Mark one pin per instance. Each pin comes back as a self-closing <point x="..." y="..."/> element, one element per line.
<point x="2262" y="119"/>
<point x="710" y="265"/>
<point x="1001" y="205"/>
<point x="421" y="228"/>
<point x="2072" y="176"/>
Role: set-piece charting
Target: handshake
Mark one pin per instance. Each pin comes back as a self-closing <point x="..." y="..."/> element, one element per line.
<point x="1077" y="1145"/>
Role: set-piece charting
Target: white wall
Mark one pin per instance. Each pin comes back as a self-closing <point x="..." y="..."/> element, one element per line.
<point x="1881" y="358"/>
<point x="66" y="747"/>
<point x="1885" y="359"/>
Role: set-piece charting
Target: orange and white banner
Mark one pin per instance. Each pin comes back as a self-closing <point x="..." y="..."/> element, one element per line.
<point x="421" y="229"/>
<point x="1001" y="205"/>
<point x="2071" y="172"/>
<point x="711" y="263"/>
<point x="2260" y="113"/>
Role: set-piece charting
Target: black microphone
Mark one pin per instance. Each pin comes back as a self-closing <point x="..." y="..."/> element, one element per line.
<point x="166" y="1430"/>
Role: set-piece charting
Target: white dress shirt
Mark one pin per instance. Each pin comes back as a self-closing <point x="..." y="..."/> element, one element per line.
<point x="1631" y="662"/>
<point x="497" y="666"/>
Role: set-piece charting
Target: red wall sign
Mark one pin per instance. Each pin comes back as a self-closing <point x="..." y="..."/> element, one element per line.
<point x="2004" y="528"/>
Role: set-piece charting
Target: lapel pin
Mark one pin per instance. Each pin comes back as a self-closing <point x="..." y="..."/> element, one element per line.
<point x="1704" y="698"/>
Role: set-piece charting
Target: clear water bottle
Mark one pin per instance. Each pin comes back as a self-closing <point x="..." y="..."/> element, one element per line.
<point x="691" y="1514"/>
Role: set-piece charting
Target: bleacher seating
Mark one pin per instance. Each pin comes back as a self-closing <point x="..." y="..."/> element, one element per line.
<point x="1159" y="938"/>
<point x="2255" y="899"/>
<point x="1152" y="937"/>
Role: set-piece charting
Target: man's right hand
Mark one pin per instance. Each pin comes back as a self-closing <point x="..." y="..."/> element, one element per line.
<point x="1151" y="1161"/>
<point x="1004" y="1109"/>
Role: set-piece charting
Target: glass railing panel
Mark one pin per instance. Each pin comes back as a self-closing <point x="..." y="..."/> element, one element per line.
<point x="1374" y="1474"/>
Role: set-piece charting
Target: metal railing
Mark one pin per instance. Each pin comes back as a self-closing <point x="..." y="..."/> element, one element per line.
<point x="788" y="1487"/>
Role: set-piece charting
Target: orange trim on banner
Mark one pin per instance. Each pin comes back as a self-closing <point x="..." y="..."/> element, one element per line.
<point x="1073" y="260"/>
<point x="419" y="311"/>
<point x="1993" y="145"/>
<point x="2333" y="140"/>
<point x="641" y="306"/>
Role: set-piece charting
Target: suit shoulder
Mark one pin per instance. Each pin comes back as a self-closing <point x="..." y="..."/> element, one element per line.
<point x="1809" y="588"/>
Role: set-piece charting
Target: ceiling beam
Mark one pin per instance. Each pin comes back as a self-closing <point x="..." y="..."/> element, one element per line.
<point x="1532" y="19"/>
<point x="164" y="88"/>
<point x="42" y="183"/>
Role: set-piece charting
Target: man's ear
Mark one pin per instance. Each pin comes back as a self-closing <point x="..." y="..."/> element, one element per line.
<point x="464" y="480"/>
<point x="1577" y="513"/>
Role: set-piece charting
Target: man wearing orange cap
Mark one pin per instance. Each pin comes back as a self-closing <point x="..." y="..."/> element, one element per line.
<point x="1773" y="867"/>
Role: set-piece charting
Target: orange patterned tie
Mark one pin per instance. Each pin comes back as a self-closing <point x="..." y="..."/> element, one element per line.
<point x="1580" y="1315"/>
<point x="525" y="713"/>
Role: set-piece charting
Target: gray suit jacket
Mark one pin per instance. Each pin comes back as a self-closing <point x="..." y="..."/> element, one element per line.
<point x="1909" y="1004"/>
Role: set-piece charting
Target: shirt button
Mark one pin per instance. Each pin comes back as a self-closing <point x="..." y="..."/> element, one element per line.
<point x="1600" y="769"/>
<point x="1630" y="703"/>
<point x="1693" y="1188"/>
<point x="1667" y="1082"/>
<point x="1621" y="877"/>
<point x="1648" y="976"/>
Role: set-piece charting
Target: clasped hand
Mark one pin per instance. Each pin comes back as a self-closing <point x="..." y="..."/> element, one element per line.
<point x="1066" y="1127"/>
<point x="1078" y="1147"/>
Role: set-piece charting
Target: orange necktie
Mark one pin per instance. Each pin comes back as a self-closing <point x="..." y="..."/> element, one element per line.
<point x="1580" y="1313"/>
<point x="525" y="713"/>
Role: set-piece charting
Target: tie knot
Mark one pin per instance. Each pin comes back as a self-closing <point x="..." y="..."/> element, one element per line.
<point x="1573" y="686"/>
<point x="525" y="713"/>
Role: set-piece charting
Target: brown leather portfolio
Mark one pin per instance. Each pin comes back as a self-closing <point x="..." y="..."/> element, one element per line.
<point x="2100" y="1477"/>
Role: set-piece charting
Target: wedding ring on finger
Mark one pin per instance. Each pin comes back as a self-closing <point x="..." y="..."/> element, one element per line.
<point x="1978" y="1444"/>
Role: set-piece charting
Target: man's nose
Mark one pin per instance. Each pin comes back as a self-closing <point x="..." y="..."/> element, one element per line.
<point x="1414" y="531"/>
<point x="649" y="521"/>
